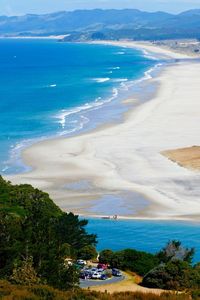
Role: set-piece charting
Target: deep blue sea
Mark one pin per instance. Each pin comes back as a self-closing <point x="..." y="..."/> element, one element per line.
<point x="48" y="88"/>
<point x="148" y="236"/>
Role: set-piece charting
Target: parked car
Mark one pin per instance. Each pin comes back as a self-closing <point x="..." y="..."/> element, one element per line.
<point x="104" y="277"/>
<point x="96" y="276"/>
<point x="116" y="272"/>
<point x="94" y="270"/>
<point x="82" y="275"/>
<point x="102" y="266"/>
<point x="100" y="270"/>
<point x="81" y="262"/>
<point x="85" y="275"/>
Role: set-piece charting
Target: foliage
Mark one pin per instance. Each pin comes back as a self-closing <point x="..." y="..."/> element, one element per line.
<point x="105" y="256"/>
<point x="130" y="259"/>
<point x="173" y="251"/>
<point x="25" y="274"/>
<point x="174" y="275"/>
<point x="43" y="292"/>
<point x="31" y="225"/>
<point x="196" y="294"/>
<point x="87" y="253"/>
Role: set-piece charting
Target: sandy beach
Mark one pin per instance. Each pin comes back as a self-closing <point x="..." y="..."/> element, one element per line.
<point x="32" y="37"/>
<point x="126" y="158"/>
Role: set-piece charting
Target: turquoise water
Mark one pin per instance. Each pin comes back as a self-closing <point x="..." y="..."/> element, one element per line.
<point x="148" y="236"/>
<point x="49" y="88"/>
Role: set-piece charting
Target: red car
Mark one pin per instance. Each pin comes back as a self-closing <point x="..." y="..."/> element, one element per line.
<point x="102" y="266"/>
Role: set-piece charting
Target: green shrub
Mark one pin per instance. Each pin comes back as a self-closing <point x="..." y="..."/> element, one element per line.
<point x="174" y="275"/>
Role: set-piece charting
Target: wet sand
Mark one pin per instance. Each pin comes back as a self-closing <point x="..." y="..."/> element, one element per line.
<point x="126" y="157"/>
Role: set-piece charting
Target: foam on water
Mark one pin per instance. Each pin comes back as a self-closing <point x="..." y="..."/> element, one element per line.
<point x="97" y="103"/>
<point x="70" y="102"/>
<point x="120" y="53"/>
<point x="101" y="80"/>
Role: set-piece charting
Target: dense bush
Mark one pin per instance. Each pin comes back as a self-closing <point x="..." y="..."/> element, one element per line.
<point x="33" y="227"/>
<point x="175" y="251"/>
<point x="87" y="253"/>
<point x="174" y="275"/>
<point x="129" y="259"/>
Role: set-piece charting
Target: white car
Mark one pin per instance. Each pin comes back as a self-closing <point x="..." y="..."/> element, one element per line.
<point x="100" y="270"/>
<point x="81" y="262"/>
<point x="94" y="270"/>
<point x="96" y="276"/>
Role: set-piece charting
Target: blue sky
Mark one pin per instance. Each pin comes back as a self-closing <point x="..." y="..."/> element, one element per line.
<point x="19" y="7"/>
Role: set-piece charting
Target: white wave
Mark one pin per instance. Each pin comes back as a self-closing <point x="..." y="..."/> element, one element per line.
<point x="126" y="85"/>
<point x="62" y="116"/>
<point x="149" y="55"/>
<point x="53" y="85"/>
<point x="15" y="150"/>
<point x="5" y="169"/>
<point x="81" y="121"/>
<point x="120" y="80"/>
<point x="120" y="53"/>
<point x="147" y="75"/>
<point x="84" y="121"/>
<point x="101" y="80"/>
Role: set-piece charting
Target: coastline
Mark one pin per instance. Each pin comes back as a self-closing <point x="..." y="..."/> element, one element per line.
<point x="54" y="37"/>
<point x="126" y="157"/>
<point x="148" y="48"/>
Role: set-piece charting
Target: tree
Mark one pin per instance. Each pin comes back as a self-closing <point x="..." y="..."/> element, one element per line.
<point x="25" y="274"/>
<point x="71" y="230"/>
<point x="70" y="276"/>
<point x="31" y="225"/>
<point x="174" y="275"/>
<point x="139" y="261"/>
<point x="175" y="251"/>
<point x="87" y="253"/>
<point x="105" y="256"/>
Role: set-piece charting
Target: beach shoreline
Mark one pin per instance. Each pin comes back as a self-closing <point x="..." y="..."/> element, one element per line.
<point x="48" y="37"/>
<point x="126" y="157"/>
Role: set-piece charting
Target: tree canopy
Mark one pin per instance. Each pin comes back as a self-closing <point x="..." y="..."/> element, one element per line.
<point x="32" y="226"/>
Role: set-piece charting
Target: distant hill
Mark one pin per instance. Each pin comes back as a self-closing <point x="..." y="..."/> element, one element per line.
<point x="109" y="24"/>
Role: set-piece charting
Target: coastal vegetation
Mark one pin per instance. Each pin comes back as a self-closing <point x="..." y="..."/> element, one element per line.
<point x="169" y="269"/>
<point x="38" y="239"/>
<point x="130" y="259"/>
<point x="9" y="291"/>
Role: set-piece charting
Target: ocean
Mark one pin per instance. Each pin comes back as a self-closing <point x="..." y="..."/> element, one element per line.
<point x="49" y="88"/>
<point x="144" y="235"/>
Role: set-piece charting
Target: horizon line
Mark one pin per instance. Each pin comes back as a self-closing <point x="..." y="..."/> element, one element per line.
<point x="93" y="9"/>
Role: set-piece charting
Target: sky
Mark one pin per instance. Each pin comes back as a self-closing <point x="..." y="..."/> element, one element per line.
<point x="20" y="7"/>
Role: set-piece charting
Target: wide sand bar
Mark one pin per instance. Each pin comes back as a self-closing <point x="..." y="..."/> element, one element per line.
<point x="126" y="157"/>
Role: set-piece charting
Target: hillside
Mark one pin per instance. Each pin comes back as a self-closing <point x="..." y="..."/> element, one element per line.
<point x="36" y="237"/>
<point x="109" y="24"/>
